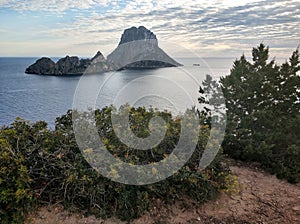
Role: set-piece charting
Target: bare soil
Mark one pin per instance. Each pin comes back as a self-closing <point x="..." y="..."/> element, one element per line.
<point x="262" y="198"/>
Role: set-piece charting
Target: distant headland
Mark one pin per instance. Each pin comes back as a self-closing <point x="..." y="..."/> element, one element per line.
<point x="137" y="49"/>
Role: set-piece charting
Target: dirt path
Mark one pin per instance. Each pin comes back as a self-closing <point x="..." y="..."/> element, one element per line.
<point x="262" y="199"/>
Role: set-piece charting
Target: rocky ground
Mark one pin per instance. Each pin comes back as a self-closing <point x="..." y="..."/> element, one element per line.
<point x="262" y="198"/>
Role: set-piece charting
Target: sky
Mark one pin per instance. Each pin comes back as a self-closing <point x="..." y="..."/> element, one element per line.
<point x="184" y="28"/>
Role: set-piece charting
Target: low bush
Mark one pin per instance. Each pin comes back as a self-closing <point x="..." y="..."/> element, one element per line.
<point x="39" y="166"/>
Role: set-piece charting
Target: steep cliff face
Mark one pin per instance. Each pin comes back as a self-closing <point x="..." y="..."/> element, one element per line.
<point x="138" y="48"/>
<point x="140" y="33"/>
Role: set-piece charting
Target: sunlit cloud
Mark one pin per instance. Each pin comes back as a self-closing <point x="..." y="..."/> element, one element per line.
<point x="214" y="28"/>
<point x="51" y="5"/>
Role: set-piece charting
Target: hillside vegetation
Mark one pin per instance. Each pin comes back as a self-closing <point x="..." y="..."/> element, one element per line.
<point x="41" y="166"/>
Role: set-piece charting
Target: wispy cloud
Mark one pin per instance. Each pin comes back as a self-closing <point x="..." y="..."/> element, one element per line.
<point x="51" y="5"/>
<point x="208" y="28"/>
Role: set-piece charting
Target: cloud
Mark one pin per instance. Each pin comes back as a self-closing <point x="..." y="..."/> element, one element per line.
<point x="51" y="5"/>
<point x="214" y="27"/>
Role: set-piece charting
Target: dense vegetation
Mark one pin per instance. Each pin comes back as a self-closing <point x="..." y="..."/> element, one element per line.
<point x="263" y="119"/>
<point x="38" y="166"/>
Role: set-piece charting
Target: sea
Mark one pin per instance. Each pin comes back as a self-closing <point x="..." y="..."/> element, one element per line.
<point x="40" y="97"/>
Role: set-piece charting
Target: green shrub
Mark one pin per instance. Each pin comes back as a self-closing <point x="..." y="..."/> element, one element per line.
<point x="16" y="195"/>
<point x="39" y="166"/>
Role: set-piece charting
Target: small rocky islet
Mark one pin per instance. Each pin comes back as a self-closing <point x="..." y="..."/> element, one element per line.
<point x="137" y="49"/>
<point x="65" y="66"/>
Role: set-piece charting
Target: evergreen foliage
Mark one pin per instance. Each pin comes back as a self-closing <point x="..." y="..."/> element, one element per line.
<point x="263" y="119"/>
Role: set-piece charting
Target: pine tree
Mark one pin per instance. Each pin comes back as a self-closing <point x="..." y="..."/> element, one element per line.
<point x="263" y="105"/>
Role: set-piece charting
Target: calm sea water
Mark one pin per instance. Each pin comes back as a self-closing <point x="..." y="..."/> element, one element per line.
<point x="37" y="97"/>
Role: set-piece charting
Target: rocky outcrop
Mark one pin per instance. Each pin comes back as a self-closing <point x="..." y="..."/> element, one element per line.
<point x="69" y="66"/>
<point x="134" y="33"/>
<point x="99" y="64"/>
<point x="98" y="58"/>
<point x="138" y="49"/>
<point x="41" y="66"/>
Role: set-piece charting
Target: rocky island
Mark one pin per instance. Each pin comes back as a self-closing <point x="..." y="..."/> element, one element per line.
<point x="67" y="65"/>
<point x="137" y="49"/>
